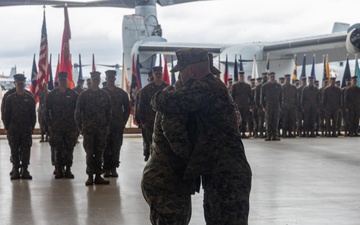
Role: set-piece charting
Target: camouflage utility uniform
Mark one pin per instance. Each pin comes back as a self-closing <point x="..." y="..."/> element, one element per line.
<point x="120" y="114"/>
<point x="19" y="121"/>
<point x="241" y="93"/>
<point x="270" y="101"/>
<point x="352" y="104"/>
<point x="146" y="113"/>
<point x="218" y="154"/>
<point x="331" y="103"/>
<point x="288" y="109"/>
<point x="310" y="103"/>
<point x="163" y="186"/>
<point x="60" y="110"/>
<point x="93" y="117"/>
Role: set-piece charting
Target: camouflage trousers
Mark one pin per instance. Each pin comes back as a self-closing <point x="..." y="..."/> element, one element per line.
<point x="20" y="142"/>
<point x="331" y="117"/>
<point x="94" y="144"/>
<point x="149" y="132"/>
<point x="113" y="146"/>
<point x="167" y="207"/>
<point x="353" y="120"/>
<point x="310" y="119"/>
<point x="244" y="112"/>
<point x="226" y="198"/>
<point x="261" y="119"/>
<point x="146" y="142"/>
<point x="63" y="143"/>
<point x="272" y="122"/>
<point x="288" y="116"/>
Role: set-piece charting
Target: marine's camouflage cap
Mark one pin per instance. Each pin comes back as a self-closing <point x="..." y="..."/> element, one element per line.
<point x="189" y="56"/>
<point x="19" y="77"/>
<point x="354" y="77"/>
<point x="157" y="69"/>
<point x="110" y="72"/>
<point x="287" y="76"/>
<point x="95" y="74"/>
<point x="63" y="75"/>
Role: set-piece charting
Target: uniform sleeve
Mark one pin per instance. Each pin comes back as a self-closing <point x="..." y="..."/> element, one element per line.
<point x="262" y="96"/>
<point x="48" y="110"/>
<point x="126" y="105"/>
<point x="7" y="113"/>
<point x="33" y="113"/>
<point x="79" y="110"/>
<point x="108" y="111"/>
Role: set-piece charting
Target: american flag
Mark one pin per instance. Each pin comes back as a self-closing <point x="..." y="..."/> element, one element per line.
<point x="43" y="60"/>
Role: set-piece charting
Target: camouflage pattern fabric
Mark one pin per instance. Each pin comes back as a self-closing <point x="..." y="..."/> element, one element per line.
<point x="299" y="111"/>
<point x="271" y="100"/>
<point x="9" y="92"/>
<point x="310" y="103"/>
<point x="167" y="207"/>
<point x="42" y="111"/>
<point x="288" y="107"/>
<point x="93" y="117"/>
<point x="120" y="114"/>
<point x="331" y="102"/>
<point x="19" y="121"/>
<point x="146" y="113"/>
<point x="241" y="94"/>
<point x="343" y="111"/>
<point x="226" y="200"/>
<point x="352" y="104"/>
<point x="254" y="113"/>
<point x="60" y="111"/>
<point x="321" y="118"/>
<point x="260" y="112"/>
<point x="218" y="144"/>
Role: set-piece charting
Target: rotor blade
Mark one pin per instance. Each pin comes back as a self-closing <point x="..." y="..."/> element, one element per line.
<point x="55" y="3"/>
<point x="174" y="2"/>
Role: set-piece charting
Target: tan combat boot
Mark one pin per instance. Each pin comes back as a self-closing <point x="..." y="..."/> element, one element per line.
<point x="68" y="173"/>
<point x="15" y="175"/>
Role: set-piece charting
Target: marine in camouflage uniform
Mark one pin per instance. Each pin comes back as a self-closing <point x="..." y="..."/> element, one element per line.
<point x="332" y="103"/>
<point x="120" y="114"/>
<point x="255" y="109"/>
<point x="252" y="123"/>
<point x="261" y="113"/>
<point x="163" y="186"/>
<point x="9" y="92"/>
<point x="352" y="104"/>
<point x="339" y="117"/>
<point x="299" y="110"/>
<point x="93" y="117"/>
<point x="78" y="89"/>
<point x="241" y="94"/>
<point x="310" y="99"/>
<point x="218" y="154"/>
<point x="288" y="107"/>
<point x="146" y="144"/>
<point x="146" y="113"/>
<point x="19" y="121"/>
<point x="60" y="111"/>
<point x="344" y="113"/>
<point x="321" y="119"/>
<point x="271" y="104"/>
<point x="41" y="113"/>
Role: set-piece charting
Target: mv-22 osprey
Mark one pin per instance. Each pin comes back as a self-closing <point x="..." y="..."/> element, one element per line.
<point x="142" y="34"/>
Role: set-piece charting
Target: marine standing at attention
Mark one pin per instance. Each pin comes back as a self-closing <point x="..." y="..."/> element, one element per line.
<point x="19" y="121"/>
<point x="271" y="103"/>
<point x="60" y="111"/>
<point x="146" y="113"/>
<point x="120" y="114"/>
<point x="93" y="118"/>
<point x="241" y="93"/>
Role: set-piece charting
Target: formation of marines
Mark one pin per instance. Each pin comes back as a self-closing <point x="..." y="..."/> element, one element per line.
<point x="98" y="114"/>
<point x="275" y="109"/>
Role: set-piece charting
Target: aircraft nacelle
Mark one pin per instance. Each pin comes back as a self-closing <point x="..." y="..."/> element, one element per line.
<point x="353" y="39"/>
